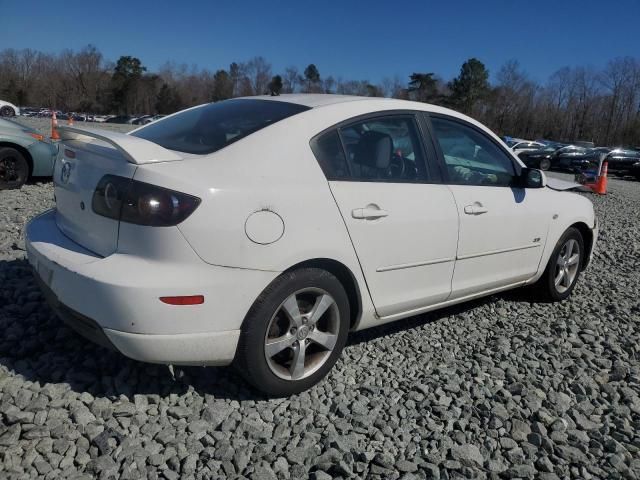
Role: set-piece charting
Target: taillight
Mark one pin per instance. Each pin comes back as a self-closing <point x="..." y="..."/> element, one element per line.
<point x="141" y="203"/>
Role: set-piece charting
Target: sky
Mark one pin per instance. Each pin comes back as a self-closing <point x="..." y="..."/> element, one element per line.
<point x="354" y="40"/>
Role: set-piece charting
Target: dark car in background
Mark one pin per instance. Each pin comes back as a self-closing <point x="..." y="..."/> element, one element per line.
<point x="624" y="161"/>
<point x="573" y="158"/>
<point x="542" y="157"/>
<point x="561" y="157"/>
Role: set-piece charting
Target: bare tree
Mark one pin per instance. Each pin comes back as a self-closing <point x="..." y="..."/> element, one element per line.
<point x="291" y="80"/>
<point x="258" y="73"/>
<point x="575" y="103"/>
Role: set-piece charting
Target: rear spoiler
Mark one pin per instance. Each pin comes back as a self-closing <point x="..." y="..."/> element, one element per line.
<point x="135" y="150"/>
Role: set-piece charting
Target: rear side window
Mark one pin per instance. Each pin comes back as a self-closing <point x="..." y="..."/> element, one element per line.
<point x="209" y="128"/>
<point x="330" y="155"/>
<point x="379" y="149"/>
<point x="385" y="149"/>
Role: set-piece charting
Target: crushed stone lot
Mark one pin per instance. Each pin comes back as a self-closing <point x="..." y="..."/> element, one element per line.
<point x="498" y="388"/>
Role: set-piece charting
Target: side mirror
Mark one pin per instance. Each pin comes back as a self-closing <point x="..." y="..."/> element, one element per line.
<point x="532" y="178"/>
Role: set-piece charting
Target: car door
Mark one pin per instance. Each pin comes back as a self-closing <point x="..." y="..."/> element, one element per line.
<point x="503" y="228"/>
<point x="402" y="222"/>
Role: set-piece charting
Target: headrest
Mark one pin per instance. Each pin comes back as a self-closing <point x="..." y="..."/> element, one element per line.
<point x="374" y="149"/>
<point x="212" y="135"/>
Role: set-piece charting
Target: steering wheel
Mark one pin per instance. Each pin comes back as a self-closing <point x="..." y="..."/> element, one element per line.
<point x="396" y="167"/>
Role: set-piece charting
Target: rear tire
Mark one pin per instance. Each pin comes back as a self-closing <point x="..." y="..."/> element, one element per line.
<point x="7" y="111"/>
<point x="14" y="169"/>
<point x="294" y="332"/>
<point x="563" y="270"/>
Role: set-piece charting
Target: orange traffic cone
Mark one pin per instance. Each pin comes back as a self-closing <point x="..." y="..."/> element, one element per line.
<point x="70" y="119"/>
<point x="54" y="126"/>
<point x="601" y="184"/>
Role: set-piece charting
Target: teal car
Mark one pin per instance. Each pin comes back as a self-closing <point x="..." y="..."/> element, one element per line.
<point x="24" y="153"/>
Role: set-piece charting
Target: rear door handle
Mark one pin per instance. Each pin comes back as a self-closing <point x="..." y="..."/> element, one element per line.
<point x="475" y="209"/>
<point x="368" y="213"/>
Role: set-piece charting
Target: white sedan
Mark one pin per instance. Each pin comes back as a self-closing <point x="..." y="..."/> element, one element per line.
<point x="261" y="231"/>
<point x="527" y="146"/>
<point x="8" y="109"/>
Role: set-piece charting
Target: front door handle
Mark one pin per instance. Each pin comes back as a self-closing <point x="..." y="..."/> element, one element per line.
<point x="369" y="212"/>
<point x="475" y="209"/>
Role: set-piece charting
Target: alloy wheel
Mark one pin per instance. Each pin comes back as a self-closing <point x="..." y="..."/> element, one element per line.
<point x="8" y="171"/>
<point x="567" y="265"/>
<point x="302" y="334"/>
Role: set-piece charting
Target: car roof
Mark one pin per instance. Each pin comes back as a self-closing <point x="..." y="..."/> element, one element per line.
<point x="311" y="100"/>
<point x="317" y="100"/>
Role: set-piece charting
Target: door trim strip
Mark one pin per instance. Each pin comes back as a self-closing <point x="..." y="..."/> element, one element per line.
<point x="495" y="252"/>
<point x="402" y="266"/>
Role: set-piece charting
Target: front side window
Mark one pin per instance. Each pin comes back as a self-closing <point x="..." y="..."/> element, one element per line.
<point x="208" y="128"/>
<point x="471" y="157"/>
<point x="384" y="149"/>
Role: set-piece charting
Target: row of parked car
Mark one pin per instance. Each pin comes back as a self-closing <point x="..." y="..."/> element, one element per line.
<point x="84" y="117"/>
<point x="10" y="110"/>
<point x="577" y="157"/>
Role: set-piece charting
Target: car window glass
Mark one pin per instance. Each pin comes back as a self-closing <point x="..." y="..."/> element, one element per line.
<point x="471" y="157"/>
<point x="328" y="151"/>
<point x="384" y="149"/>
<point x="210" y="127"/>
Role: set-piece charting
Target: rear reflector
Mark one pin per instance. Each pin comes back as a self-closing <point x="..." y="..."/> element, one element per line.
<point x="37" y="136"/>
<point x="183" y="300"/>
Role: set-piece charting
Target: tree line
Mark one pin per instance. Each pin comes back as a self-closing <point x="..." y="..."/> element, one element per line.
<point x="575" y="103"/>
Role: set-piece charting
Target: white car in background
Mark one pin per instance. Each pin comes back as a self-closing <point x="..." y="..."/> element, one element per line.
<point x="261" y="230"/>
<point x="527" y="146"/>
<point x="8" y="109"/>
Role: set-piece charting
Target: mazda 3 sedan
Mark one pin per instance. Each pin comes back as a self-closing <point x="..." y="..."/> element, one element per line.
<point x="261" y="231"/>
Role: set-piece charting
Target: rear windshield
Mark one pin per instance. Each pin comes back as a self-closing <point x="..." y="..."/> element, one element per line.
<point x="209" y="128"/>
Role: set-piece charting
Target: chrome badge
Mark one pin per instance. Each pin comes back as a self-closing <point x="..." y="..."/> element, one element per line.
<point x="65" y="173"/>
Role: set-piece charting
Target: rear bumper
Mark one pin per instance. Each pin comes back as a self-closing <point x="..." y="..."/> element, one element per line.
<point x="594" y="232"/>
<point x="214" y="348"/>
<point x="114" y="301"/>
<point x="85" y="326"/>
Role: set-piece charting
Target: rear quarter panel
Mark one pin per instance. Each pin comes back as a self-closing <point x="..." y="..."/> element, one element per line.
<point x="273" y="169"/>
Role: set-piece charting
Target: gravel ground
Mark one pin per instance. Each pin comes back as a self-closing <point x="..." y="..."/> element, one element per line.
<point x="493" y="389"/>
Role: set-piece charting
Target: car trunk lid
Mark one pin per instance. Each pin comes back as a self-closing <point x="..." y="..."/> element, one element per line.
<point x="84" y="157"/>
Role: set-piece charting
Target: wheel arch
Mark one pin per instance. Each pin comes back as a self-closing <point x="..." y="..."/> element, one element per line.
<point x="346" y="278"/>
<point x="587" y="237"/>
<point x="22" y="150"/>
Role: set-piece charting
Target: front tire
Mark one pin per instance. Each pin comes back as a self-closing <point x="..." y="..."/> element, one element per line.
<point x="545" y="164"/>
<point x="294" y="332"/>
<point x="14" y="169"/>
<point x="563" y="270"/>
